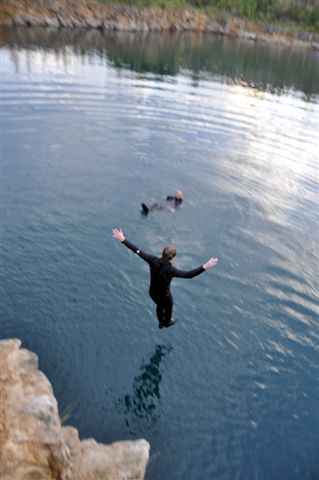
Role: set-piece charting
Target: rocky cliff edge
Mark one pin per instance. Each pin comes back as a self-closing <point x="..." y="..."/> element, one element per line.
<point x="34" y="445"/>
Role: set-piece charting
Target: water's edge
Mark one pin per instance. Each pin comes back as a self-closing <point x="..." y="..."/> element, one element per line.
<point x="94" y="15"/>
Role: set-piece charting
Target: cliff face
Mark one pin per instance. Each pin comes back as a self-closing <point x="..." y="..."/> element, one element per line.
<point x="94" y="14"/>
<point x="34" y="445"/>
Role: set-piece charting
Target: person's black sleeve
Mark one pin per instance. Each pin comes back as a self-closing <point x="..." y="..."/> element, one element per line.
<point x="170" y="197"/>
<point x="145" y="256"/>
<point x="188" y="273"/>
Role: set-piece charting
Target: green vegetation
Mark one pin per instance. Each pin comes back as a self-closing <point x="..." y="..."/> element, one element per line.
<point x="299" y="13"/>
<point x="67" y="412"/>
<point x="304" y="13"/>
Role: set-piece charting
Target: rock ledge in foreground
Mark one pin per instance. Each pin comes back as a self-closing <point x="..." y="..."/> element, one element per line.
<point x="33" y="444"/>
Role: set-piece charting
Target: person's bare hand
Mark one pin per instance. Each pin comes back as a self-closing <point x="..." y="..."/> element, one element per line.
<point x="210" y="263"/>
<point x="118" y="234"/>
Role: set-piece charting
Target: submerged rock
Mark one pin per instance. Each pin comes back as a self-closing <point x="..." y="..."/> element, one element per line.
<point x="33" y="443"/>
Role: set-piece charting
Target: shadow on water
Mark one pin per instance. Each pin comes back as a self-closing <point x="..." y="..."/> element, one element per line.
<point x="142" y="403"/>
<point x="259" y="65"/>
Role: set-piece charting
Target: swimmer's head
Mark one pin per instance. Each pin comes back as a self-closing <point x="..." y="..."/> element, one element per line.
<point x="179" y="194"/>
<point x="168" y="253"/>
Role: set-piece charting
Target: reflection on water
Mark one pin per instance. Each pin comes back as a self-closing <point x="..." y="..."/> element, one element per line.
<point x="261" y="66"/>
<point x="142" y="403"/>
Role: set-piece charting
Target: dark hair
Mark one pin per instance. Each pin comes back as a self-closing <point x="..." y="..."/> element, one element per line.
<point x="168" y="253"/>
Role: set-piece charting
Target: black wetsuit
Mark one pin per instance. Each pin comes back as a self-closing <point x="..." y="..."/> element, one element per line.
<point x="162" y="272"/>
<point x="177" y="201"/>
<point x="171" y="199"/>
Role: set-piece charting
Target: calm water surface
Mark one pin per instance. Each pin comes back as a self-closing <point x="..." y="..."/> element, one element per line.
<point x="93" y="125"/>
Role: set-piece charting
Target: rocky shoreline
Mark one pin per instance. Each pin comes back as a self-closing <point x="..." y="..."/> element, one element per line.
<point x="34" y="444"/>
<point x="91" y="14"/>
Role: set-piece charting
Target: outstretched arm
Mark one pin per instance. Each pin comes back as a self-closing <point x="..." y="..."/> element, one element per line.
<point x="196" y="271"/>
<point x="119" y="235"/>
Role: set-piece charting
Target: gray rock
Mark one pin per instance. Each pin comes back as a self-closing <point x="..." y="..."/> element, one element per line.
<point x="141" y="27"/>
<point x="35" y="20"/>
<point x="212" y="26"/>
<point x="109" y="25"/>
<point x="19" y="21"/>
<point x="154" y="26"/>
<point x="76" y="23"/>
<point x="51" y="22"/>
<point x="64" y="22"/>
<point x="247" y="35"/>
<point x="93" y="23"/>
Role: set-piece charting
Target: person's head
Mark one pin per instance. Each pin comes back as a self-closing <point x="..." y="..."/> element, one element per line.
<point x="168" y="253"/>
<point x="179" y="194"/>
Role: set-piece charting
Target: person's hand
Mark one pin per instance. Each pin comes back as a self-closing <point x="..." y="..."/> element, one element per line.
<point x="210" y="263"/>
<point x="118" y="234"/>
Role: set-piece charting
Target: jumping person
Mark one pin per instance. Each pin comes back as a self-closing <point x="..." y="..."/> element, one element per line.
<point x="162" y="272"/>
<point x="173" y="202"/>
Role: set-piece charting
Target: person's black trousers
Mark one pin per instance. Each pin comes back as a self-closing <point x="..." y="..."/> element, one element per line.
<point x="164" y="308"/>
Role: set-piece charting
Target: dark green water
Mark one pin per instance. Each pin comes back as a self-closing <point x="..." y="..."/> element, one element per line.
<point x="93" y="125"/>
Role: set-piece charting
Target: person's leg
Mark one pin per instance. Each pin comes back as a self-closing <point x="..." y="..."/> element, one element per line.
<point x="145" y="208"/>
<point x="168" y="309"/>
<point x="159" y="309"/>
<point x="164" y="309"/>
<point x="160" y="313"/>
<point x="156" y="206"/>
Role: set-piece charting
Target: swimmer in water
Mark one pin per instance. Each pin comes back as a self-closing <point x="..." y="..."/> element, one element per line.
<point x="173" y="203"/>
<point x="162" y="272"/>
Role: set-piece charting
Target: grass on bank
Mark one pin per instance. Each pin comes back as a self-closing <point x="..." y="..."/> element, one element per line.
<point x="303" y="14"/>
